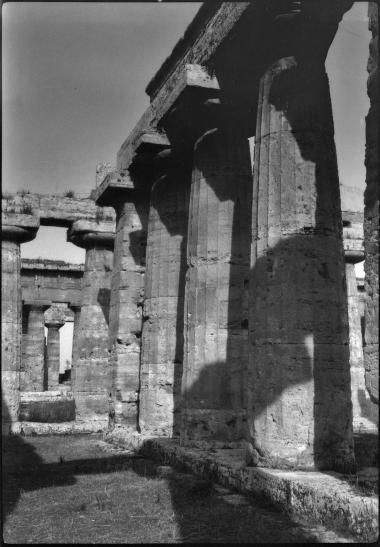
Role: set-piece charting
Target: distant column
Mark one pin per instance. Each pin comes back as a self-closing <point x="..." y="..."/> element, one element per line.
<point x="33" y="343"/>
<point x="300" y="412"/>
<point x="16" y="229"/>
<point x="365" y="411"/>
<point x="74" y="358"/>
<point x="54" y="320"/>
<point x="127" y="293"/>
<point x="91" y="374"/>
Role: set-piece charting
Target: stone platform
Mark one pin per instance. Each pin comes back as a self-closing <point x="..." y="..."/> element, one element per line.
<point x="47" y="406"/>
<point x="343" y="503"/>
<point x="62" y="428"/>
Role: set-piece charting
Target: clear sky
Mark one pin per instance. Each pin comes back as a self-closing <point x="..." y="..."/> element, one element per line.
<point x="74" y="76"/>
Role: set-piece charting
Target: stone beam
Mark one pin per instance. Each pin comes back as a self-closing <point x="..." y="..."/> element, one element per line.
<point x="56" y="210"/>
<point x="50" y="280"/>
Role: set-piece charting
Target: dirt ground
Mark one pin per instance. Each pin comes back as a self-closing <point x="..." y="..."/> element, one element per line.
<point x="78" y="489"/>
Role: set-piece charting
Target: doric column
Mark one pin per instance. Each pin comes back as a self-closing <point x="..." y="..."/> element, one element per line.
<point x="16" y="229"/>
<point x="300" y="411"/>
<point x="162" y="335"/>
<point x="91" y="374"/>
<point x="216" y="287"/>
<point x="364" y="410"/>
<point x="127" y="291"/>
<point x="371" y="215"/>
<point x="54" y="320"/>
<point x="33" y="343"/>
<point x="74" y="358"/>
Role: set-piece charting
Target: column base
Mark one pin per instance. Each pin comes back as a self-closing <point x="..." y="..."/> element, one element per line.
<point x="303" y="458"/>
<point x="212" y="428"/>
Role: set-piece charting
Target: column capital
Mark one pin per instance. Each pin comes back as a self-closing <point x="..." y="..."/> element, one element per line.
<point x="305" y="28"/>
<point x="87" y="234"/>
<point x="353" y="236"/>
<point x="192" y="107"/>
<point x="117" y="187"/>
<point x="19" y="227"/>
<point x="55" y="317"/>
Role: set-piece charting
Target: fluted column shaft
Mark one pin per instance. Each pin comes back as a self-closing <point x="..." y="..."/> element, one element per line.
<point x="127" y="290"/>
<point x="91" y="373"/>
<point x="33" y="343"/>
<point x="216" y="282"/>
<point x="300" y="412"/>
<point x="162" y="335"/>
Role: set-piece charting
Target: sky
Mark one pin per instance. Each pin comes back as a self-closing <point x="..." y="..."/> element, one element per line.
<point x="74" y="78"/>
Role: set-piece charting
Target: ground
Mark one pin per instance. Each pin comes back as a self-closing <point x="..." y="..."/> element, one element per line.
<point x="79" y="489"/>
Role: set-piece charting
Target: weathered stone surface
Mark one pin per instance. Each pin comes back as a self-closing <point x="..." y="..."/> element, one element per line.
<point x="47" y="407"/>
<point x="371" y="215"/>
<point x="91" y="374"/>
<point x="212" y="28"/>
<point x="299" y="359"/>
<point x="54" y="320"/>
<point x="318" y="498"/>
<point x="162" y="335"/>
<point x="365" y="412"/>
<point x="33" y="347"/>
<point x="215" y="354"/>
<point x="55" y="210"/>
<point x="127" y="291"/>
<point x="15" y="229"/>
<point x="51" y="281"/>
<point x="365" y="415"/>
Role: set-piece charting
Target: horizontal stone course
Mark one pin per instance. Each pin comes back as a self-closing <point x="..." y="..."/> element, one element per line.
<point x="316" y="497"/>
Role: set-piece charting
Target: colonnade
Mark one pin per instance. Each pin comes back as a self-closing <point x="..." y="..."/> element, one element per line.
<point x="248" y="342"/>
<point x="228" y="320"/>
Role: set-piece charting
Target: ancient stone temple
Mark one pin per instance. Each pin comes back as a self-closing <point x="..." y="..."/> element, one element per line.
<point x="218" y="303"/>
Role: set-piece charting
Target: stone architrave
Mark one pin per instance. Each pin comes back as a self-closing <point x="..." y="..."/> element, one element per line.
<point x="54" y="320"/>
<point x="16" y="229"/>
<point x="162" y="334"/>
<point x="33" y="344"/>
<point x="91" y="374"/>
<point x="127" y="291"/>
<point x="371" y="215"/>
<point x="300" y="411"/>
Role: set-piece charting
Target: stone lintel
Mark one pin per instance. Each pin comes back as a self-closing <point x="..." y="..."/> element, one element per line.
<point x="54" y="210"/>
<point x="85" y="233"/>
<point x="54" y="265"/>
<point x="37" y="303"/>
<point x="19" y="227"/>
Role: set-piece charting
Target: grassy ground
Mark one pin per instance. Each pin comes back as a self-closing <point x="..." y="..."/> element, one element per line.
<point x="80" y="490"/>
